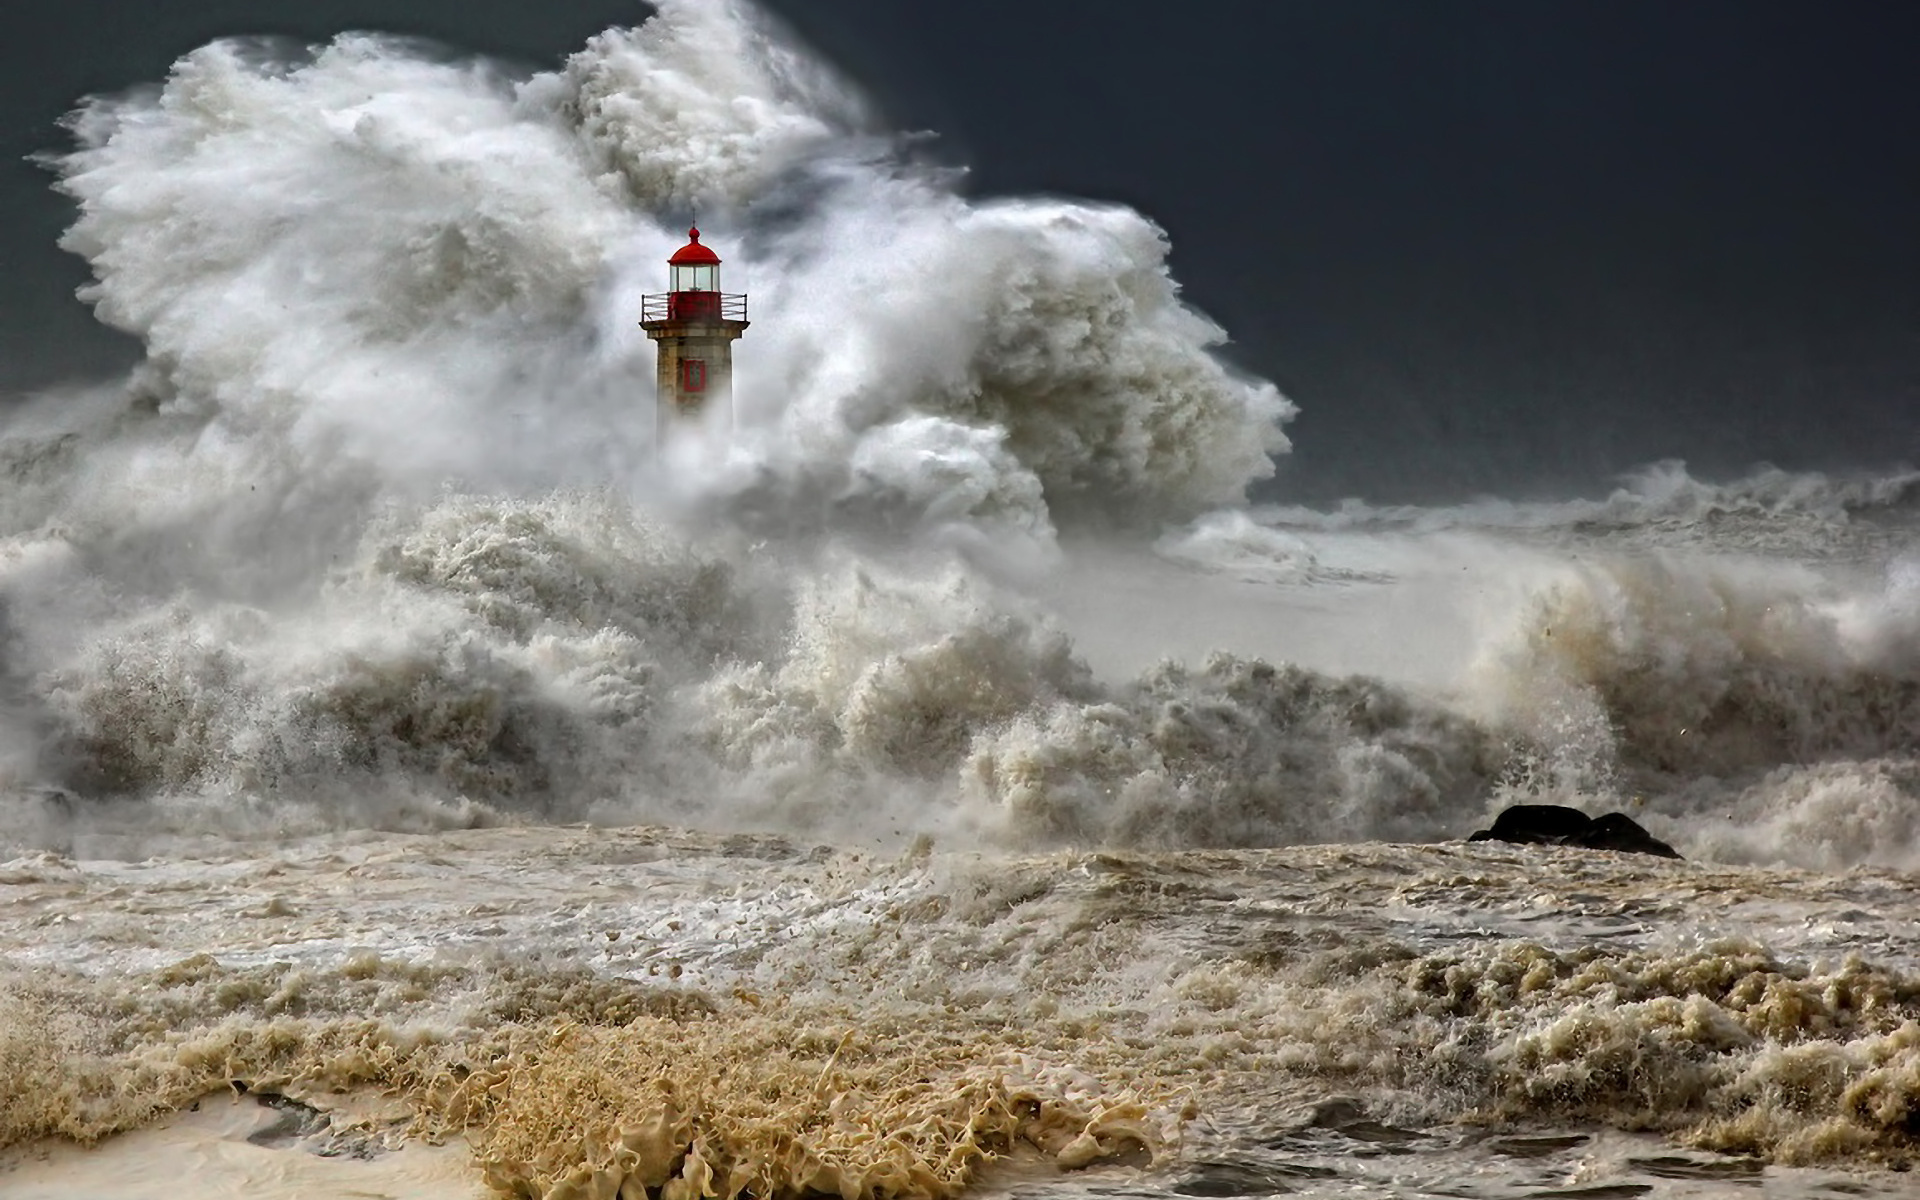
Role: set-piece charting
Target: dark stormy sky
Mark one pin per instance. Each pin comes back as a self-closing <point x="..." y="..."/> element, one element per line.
<point x="1509" y="246"/>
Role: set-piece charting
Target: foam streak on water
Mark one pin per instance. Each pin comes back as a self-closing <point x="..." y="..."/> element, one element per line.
<point x="381" y="711"/>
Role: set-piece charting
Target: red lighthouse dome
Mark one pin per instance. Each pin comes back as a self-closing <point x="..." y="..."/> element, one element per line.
<point x="693" y="254"/>
<point x="695" y="268"/>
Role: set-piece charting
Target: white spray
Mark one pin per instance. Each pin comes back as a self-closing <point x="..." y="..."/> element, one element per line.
<point x="375" y="534"/>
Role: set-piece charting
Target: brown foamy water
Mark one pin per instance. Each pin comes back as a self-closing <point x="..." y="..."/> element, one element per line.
<point x="568" y="1011"/>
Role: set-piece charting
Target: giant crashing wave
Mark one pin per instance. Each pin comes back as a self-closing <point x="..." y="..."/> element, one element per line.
<point x="375" y="536"/>
<point x="374" y="533"/>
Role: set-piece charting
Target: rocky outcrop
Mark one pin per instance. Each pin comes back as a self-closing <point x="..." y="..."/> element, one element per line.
<point x="1558" y="825"/>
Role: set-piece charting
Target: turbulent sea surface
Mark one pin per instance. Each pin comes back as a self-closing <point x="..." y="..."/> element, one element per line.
<point x="414" y="782"/>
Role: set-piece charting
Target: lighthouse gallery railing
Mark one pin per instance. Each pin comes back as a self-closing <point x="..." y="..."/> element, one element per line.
<point x="693" y="306"/>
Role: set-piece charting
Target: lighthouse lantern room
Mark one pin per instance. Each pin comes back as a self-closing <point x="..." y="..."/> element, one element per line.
<point x="694" y="327"/>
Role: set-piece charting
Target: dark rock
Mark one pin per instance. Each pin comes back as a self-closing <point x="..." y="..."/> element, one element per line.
<point x="1618" y="831"/>
<point x="1536" y="825"/>
<point x="1558" y="825"/>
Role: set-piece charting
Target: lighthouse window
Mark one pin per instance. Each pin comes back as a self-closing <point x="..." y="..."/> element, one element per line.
<point x="693" y="374"/>
<point x="705" y="278"/>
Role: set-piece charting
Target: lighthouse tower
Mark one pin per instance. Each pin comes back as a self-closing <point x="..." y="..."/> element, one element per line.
<point x="694" y="326"/>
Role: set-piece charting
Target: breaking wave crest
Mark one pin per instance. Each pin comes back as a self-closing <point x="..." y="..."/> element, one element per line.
<point x="1796" y="513"/>
<point x="1237" y="753"/>
<point x="1669" y="680"/>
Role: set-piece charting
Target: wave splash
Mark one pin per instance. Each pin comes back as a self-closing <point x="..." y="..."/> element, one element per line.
<point x="375" y="535"/>
<point x="1768" y="711"/>
<point x="485" y="659"/>
<point x="426" y="269"/>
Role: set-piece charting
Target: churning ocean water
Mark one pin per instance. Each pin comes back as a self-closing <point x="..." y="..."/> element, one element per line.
<point x="945" y="781"/>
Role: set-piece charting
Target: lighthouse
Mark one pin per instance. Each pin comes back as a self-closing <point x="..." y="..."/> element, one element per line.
<point x="694" y="326"/>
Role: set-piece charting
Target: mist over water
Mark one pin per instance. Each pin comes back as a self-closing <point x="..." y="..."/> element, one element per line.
<point x="376" y="537"/>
